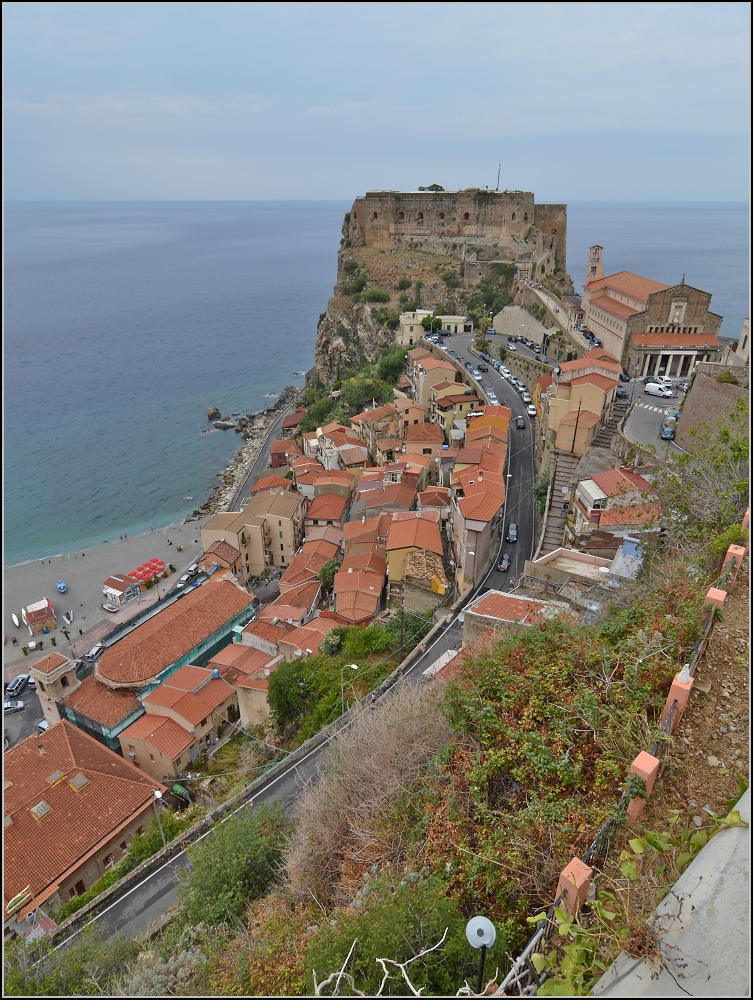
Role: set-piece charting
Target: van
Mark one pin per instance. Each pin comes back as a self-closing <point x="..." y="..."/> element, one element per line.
<point x="94" y="652"/>
<point x="193" y="569"/>
<point x="654" y="389"/>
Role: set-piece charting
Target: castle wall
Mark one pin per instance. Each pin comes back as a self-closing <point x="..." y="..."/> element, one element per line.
<point x="387" y="218"/>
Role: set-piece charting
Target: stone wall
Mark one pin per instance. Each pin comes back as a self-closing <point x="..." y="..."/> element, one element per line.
<point x="707" y="402"/>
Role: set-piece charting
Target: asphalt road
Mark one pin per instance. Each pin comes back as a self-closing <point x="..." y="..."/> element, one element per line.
<point x="262" y="461"/>
<point x="134" y="911"/>
<point x="18" y="725"/>
<point x="646" y="420"/>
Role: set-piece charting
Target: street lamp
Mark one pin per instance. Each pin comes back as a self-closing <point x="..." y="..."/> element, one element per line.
<point x="155" y="800"/>
<point x="481" y="934"/>
<point x="472" y="552"/>
<point x="352" y="666"/>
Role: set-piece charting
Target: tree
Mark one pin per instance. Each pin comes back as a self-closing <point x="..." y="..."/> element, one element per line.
<point x="404" y="284"/>
<point x="392" y="365"/>
<point x="288" y="692"/>
<point x="432" y="187"/>
<point x="704" y="491"/>
<point x="237" y="862"/>
<point x="326" y="574"/>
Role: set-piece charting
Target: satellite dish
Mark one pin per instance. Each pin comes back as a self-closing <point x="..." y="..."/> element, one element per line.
<point x="480" y="932"/>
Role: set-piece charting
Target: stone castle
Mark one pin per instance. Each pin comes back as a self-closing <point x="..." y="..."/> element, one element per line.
<point x="476" y="225"/>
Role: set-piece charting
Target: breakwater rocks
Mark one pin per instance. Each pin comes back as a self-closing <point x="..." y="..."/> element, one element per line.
<point x="254" y="428"/>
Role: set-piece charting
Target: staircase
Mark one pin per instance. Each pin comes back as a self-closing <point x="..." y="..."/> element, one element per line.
<point x="564" y="471"/>
<point x="604" y="438"/>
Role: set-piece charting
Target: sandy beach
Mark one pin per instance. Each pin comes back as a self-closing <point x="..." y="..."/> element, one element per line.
<point x="84" y="573"/>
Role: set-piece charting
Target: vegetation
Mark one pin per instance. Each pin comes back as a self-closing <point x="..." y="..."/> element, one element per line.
<point x="541" y="491"/>
<point x="432" y="187"/>
<point x="376" y="295"/>
<point x="492" y="293"/>
<point x="239" y="862"/>
<point x="326" y="574"/>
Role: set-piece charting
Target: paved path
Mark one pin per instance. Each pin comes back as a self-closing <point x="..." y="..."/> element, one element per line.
<point x="261" y="462"/>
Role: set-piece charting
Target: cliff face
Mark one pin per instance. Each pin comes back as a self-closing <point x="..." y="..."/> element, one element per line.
<point x="430" y="251"/>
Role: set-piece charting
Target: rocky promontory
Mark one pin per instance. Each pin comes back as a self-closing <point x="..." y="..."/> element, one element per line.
<point x="254" y="428"/>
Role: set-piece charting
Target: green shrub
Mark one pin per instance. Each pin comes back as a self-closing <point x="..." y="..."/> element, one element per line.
<point x="237" y="862"/>
<point x="404" y="284"/>
<point x="375" y="295"/>
<point x="356" y="286"/>
<point x="361" y="641"/>
<point x="350" y="266"/>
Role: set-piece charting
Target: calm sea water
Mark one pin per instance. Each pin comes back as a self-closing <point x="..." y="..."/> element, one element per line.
<point x="124" y="322"/>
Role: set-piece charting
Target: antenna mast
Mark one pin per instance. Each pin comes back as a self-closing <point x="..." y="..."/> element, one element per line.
<point x="499" y="171"/>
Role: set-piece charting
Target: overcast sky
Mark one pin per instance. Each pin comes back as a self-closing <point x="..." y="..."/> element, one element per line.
<point x="579" y="101"/>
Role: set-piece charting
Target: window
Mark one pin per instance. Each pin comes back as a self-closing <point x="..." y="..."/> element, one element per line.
<point x="525" y="216"/>
<point x="64" y="681"/>
<point x="282" y="548"/>
<point x="375" y="216"/>
<point x="41" y="686"/>
<point x="420" y="216"/>
<point x="441" y="215"/>
<point x="122" y="845"/>
<point x="151" y="757"/>
<point x="467" y="215"/>
<point x="401" y="216"/>
<point x="203" y="722"/>
<point x="427" y="451"/>
<point x="279" y="524"/>
<point x="80" y="887"/>
<point x="131" y="749"/>
<point x="178" y="762"/>
<point x="280" y="534"/>
<point x="513" y="216"/>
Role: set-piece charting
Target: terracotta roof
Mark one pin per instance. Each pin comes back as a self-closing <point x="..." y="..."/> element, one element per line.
<point x="335" y="476"/>
<point x="223" y="550"/>
<point x="627" y="283"/>
<point x="419" y="529"/>
<point x="389" y="444"/>
<point x="468" y="456"/>
<point x="352" y="455"/>
<point x="162" y="733"/>
<point x="613" y="482"/>
<point x="305" y="462"/>
<point x="450" y="401"/>
<point x="594" y="378"/>
<point x="399" y="494"/>
<point x="619" y="309"/>
<point x="432" y="364"/>
<point x="247" y="661"/>
<point x="102" y="704"/>
<point x="506" y="607"/>
<point x="481" y="507"/>
<point x="355" y="606"/>
<point x="293" y="604"/>
<point x="544" y="382"/>
<point x="306" y="478"/>
<point x="293" y="419"/>
<point x="307" y="563"/>
<point x="327" y="507"/>
<point x="40" y="611"/>
<point x="325" y="533"/>
<point x="198" y="693"/>
<point x="266" y="631"/>
<point x="270" y="483"/>
<point x="401" y="405"/>
<point x="446" y="384"/>
<point x="601" y="360"/>
<point x="42" y="852"/>
<point x="630" y="514"/>
<point x="374" y="561"/>
<point x="172" y="633"/>
<point x="284" y="446"/>
<point x="584" y="417"/>
<point x="358" y="579"/>
<point x="379" y="413"/>
<point x="480" y="433"/>
<point x="435" y="496"/>
<point x="494" y="410"/>
<point x="309" y="636"/>
<point x="599" y="354"/>
<point x="120" y="582"/>
<point x="418" y="352"/>
<point x="675" y="340"/>
<point x="50" y="662"/>
<point x="424" y="432"/>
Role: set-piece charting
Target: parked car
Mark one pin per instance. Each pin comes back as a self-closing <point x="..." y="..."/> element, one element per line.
<point x="17" y="685"/>
<point x="483" y="368"/>
<point x="511" y="347"/>
<point x="595" y="342"/>
<point x="111" y="608"/>
<point x="512" y="532"/>
<point x="536" y="349"/>
<point x="492" y="398"/>
<point x="620" y="392"/>
<point x="491" y="332"/>
<point x="663" y="380"/>
<point x="12" y="706"/>
<point x="452" y="354"/>
<point x="504" y="370"/>
<point x="183" y="580"/>
<point x="520" y="423"/>
<point x="624" y="377"/>
<point x="654" y="389"/>
<point x="667" y="433"/>
<point x="526" y="397"/>
<point x="683" y="386"/>
<point x="531" y="410"/>
<point x="504" y="563"/>
<point x="42" y="726"/>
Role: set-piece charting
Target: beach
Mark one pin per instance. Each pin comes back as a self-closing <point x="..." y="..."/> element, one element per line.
<point x="84" y="573"/>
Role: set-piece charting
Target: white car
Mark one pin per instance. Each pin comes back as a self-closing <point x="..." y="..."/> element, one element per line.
<point x="526" y="397"/>
<point x="503" y="370"/>
<point x="492" y="398"/>
<point x="654" y="389"/>
<point x="531" y="410"/>
<point x="663" y="380"/>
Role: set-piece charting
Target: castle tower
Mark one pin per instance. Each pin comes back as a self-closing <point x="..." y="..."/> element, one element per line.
<point x="595" y="268"/>
<point x="55" y="676"/>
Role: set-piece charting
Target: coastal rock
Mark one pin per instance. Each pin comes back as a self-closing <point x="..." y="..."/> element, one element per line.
<point x="213" y="413"/>
<point x="223" y="425"/>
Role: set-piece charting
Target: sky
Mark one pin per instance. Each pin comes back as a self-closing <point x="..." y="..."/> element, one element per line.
<point x="576" y="101"/>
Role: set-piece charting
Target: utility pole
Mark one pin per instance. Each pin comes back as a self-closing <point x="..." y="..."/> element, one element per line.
<point x="575" y="432"/>
<point x="402" y="626"/>
<point x="499" y="171"/>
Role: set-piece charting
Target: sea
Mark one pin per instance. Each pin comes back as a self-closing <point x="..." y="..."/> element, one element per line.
<point x="124" y="322"/>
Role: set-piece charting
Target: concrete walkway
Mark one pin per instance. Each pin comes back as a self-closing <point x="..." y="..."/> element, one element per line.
<point x="702" y="928"/>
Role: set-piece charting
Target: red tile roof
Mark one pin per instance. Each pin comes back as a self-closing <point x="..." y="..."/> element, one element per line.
<point x="100" y="703"/>
<point x="266" y="631"/>
<point x="481" y="507"/>
<point x="450" y="401"/>
<point x="424" y="432"/>
<point x="223" y="550"/>
<point x="544" y="382"/>
<point x="355" y="606"/>
<point x="327" y="507"/>
<point x="468" y="456"/>
<point x="399" y="494"/>
<point x="50" y="662"/>
<point x="507" y="608"/>
<point x="435" y="496"/>
<point x="584" y="418"/>
<point x="270" y="483"/>
<point x="294" y="603"/>
<point x="379" y="413"/>
<point x="284" y="447"/>
<point x="162" y="733"/>
<point x="42" y="852"/>
<point x="325" y="533"/>
<point x="619" y="309"/>
<point x="335" y="476"/>
<point x="614" y="482"/>
<point x="172" y="633"/>
<point x="374" y="561"/>
<point x="120" y="582"/>
<point x="419" y="529"/>
<point x="626" y="283"/>
<point x="494" y="410"/>
<point x="432" y="364"/>
<point x="310" y="635"/>
<point x="358" y="579"/>
<point x="594" y="378"/>
<point x="192" y="702"/>
<point x="418" y="352"/>
<point x="630" y="514"/>
<point x="307" y="563"/>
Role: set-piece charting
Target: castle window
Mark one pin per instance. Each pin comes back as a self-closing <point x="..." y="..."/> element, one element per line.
<point x="513" y="216"/>
<point x="441" y="215"/>
<point x="375" y="216"/>
<point x="525" y="217"/>
<point x="467" y="215"/>
<point x="401" y="216"/>
<point x="355" y="217"/>
<point x="420" y="216"/>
